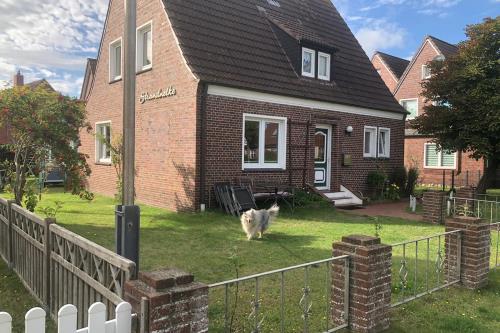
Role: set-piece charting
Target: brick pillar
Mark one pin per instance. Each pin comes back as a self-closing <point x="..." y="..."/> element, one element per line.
<point x="369" y="280"/>
<point x="434" y="206"/>
<point x="465" y="193"/>
<point x="177" y="304"/>
<point x="475" y="250"/>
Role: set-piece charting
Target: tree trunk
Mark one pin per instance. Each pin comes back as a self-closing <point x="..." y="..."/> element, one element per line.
<point x="489" y="178"/>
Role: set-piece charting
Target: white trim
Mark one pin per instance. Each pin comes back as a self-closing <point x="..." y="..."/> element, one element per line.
<point x="111" y="55"/>
<point x="388" y="70"/>
<point x="97" y="149"/>
<point x="328" y="157"/>
<point x="177" y="42"/>
<point x="138" y="46"/>
<point x="328" y="66"/>
<point x="282" y="137"/>
<point x="373" y="141"/>
<point x="440" y="159"/>
<point x="300" y="102"/>
<point x="387" y="143"/>
<point x="408" y="117"/>
<point x="313" y="63"/>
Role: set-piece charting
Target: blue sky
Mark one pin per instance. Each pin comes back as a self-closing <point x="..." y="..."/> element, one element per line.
<point x="53" y="38"/>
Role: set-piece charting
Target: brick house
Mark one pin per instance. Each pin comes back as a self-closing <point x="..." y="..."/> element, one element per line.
<point x="278" y="90"/>
<point x="419" y="150"/>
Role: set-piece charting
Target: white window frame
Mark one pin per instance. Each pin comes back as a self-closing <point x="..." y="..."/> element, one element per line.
<point x="328" y="66"/>
<point x="440" y="159"/>
<point x="313" y="63"/>
<point x="99" y="144"/>
<point x="112" y="58"/>
<point x="409" y="117"/>
<point x="282" y="121"/>
<point x="424" y="70"/>
<point x="139" y="46"/>
<point x="373" y="141"/>
<point x="387" y="142"/>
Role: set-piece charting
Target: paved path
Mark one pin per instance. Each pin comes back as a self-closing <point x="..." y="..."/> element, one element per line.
<point x="391" y="209"/>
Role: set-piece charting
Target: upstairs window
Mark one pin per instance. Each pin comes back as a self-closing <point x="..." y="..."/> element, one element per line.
<point x="324" y="60"/>
<point x="103" y="142"/>
<point x="435" y="159"/>
<point x="410" y="105"/>
<point x="145" y="47"/>
<point x="264" y="141"/>
<point x="426" y="72"/>
<point x="115" y="60"/>
<point x="308" y="62"/>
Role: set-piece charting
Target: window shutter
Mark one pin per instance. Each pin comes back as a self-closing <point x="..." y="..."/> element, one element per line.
<point x="431" y="156"/>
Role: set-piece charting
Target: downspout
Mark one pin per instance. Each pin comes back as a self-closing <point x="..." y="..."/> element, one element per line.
<point x="203" y="143"/>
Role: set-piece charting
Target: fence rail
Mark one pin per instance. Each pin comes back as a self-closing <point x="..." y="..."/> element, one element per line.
<point x="59" y="267"/>
<point x="495" y="245"/>
<point x="67" y="320"/>
<point x="416" y="274"/>
<point x="271" y="289"/>
<point x="479" y="208"/>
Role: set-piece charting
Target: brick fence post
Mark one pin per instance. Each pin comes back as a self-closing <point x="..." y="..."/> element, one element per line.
<point x="434" y="206"/>
<point x="475" y="250"/>
<point x="177" y="304"/>
<point x="369" y="283"/>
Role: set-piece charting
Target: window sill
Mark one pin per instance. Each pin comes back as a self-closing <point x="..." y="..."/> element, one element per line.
<point x="144" y="70"/>
<point x="115" y="80"/>
<point x="256" y="170"/>
<point x="103" y="163"/>
<point x="439" y="168"/>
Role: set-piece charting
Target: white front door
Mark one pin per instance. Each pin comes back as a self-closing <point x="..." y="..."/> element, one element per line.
<point x="322" y="156"/>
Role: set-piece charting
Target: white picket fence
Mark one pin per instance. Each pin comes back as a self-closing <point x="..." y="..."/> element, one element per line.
<point x="67" y="320"/>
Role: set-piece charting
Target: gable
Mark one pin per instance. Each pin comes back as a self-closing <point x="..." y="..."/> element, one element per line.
<point x="243" y="44"/>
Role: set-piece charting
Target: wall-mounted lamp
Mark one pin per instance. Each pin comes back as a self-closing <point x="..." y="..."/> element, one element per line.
<point x="349" y="130"/>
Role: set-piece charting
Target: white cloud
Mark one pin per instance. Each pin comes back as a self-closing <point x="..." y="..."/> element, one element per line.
<point x="380" y="35"/>
<point x="49" y="39"/>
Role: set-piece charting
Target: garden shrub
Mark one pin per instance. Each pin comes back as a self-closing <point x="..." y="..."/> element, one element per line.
<point x="30" y="196"/>
<point x="411" y="182"/>
<point x="399" y="177"/>
<point x="392" y="192"/>
<point x="376" y="181"/>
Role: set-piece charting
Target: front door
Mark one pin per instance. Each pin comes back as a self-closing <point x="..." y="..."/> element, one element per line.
<point x="322" y="153"/>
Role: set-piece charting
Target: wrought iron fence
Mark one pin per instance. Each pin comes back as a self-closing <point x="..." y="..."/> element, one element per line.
<point x="292" y="299"/>
<point x="425" y="265"/>
<point x="495" y="245"/>
<point x="484" y="209"/>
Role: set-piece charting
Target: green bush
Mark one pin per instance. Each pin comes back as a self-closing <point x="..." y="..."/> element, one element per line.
<point x="30" y="196"/>
<point x="376" y="181"/>
<point x="399" y="177"/>
<point x="411" y="183"/>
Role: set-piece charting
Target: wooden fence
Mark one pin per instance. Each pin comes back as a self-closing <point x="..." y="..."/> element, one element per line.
<point x="59" y="267"/>
<point x="67" y="320"/>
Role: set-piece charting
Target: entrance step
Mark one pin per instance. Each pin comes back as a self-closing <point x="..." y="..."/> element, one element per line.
<point x="344" y="198"/>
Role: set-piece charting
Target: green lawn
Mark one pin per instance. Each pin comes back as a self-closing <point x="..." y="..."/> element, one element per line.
<point x="209" y="244"/>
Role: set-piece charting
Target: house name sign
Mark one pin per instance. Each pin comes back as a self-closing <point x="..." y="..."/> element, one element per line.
<point x="161" y="93"/>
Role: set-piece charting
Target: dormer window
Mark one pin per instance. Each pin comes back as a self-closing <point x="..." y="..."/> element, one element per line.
<point x="308" y="62"/>
<point x="324" y="60"/>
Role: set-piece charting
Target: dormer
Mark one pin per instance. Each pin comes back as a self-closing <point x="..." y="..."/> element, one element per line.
<point x="316" y="63"/>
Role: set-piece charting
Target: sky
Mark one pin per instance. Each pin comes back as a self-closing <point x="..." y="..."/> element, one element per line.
<point x="52" y="39"/>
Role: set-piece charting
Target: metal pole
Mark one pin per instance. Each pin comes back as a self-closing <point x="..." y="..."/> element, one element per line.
<point x="129" y="103"/>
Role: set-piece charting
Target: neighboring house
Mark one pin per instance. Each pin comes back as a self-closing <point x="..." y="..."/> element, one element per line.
<point x="274" y="90"/>
<point x="17" y="81"/>
<point x="419" y="151"/>
<point x="88" y="80"/>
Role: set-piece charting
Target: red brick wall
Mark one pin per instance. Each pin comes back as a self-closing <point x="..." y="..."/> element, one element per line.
<point x="166" y="129"/>
<point x="224" y="143"/>
<point x="388" y="78"/>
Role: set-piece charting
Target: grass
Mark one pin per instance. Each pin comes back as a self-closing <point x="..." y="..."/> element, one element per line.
<point x="212" y="246"/>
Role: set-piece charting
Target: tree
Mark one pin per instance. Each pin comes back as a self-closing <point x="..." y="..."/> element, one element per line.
<point x="465" y="113"/>
<point x="42" y="123"/>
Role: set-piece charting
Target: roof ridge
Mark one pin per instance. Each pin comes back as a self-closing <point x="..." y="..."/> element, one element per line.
<point x="390" y="55"/>
<point x="441" y="40"/>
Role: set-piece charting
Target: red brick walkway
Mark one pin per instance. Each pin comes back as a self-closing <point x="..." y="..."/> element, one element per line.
<point x="391" y="209"/>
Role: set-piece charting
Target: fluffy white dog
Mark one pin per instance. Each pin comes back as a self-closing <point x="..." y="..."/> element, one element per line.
<point x="256" y="222"/>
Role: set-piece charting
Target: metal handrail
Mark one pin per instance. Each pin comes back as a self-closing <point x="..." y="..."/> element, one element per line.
<point x="425" y="238"/>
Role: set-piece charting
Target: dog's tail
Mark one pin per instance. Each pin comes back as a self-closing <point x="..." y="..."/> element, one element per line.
<point x="274" y="210"/>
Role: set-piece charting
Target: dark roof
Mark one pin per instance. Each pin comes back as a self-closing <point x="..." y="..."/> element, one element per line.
<point x="38" y="83"/>
<point x="445" y="48"/>
<point x="395" y="64"/>
<point x="88" y="79"/>
<point x="235" y="43"/>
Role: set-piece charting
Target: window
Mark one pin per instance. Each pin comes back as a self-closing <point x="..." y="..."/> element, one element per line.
<point x="426" y="72"/>
<point x="370" y="142"/>
<point x="103" y="140"/>
<point x="324" y="61"/>
<point x="384" y="142"/>
<point x="264" y="142"/>
<point x="115" y="60"/>
<point x="435" y="159"/>
<point x="144" y="47"/>
<point x="308" y="62"/>
<point x="410" y="105"/>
